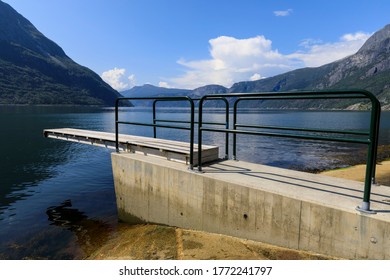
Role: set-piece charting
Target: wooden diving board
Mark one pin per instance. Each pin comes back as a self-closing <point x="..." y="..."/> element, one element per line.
<point x="172" y="150"/>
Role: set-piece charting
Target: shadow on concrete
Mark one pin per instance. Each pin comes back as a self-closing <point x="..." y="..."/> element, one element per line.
<point x="223" y="167"/>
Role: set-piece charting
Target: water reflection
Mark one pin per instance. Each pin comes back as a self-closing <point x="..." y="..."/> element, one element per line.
<point x="71" y="235"/>
<point x="91" y="233"/>
<point x="36" y="172"/>
<point x="27" y="158"/>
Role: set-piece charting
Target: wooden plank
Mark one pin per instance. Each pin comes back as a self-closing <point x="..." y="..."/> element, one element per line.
<point x="123" y="138"/>
<point x="170" y="149"/>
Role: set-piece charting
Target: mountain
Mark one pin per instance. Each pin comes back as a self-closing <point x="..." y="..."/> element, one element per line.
<point x="150" y="90"/>
<point x="153" y="91"/>
<point x="35" y="70"/>
<point x="368" y="69"/>
<point x="210" y="89"/>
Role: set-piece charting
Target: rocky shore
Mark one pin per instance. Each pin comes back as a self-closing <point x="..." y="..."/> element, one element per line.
<point x="357" y="173"/>
<point x="156" y="242"/>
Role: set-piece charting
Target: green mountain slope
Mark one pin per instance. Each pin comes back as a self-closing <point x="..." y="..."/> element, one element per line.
<point x="35" y="70"/>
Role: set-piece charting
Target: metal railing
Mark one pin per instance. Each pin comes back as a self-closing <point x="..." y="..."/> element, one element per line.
<point x="371" y="135"/>
<point x="226" y="123"/>
<point x="154" y="124"/>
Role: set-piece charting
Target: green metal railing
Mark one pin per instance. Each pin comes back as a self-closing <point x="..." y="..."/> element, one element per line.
<point x="371" y="136"/>
<point x="226" y="123"/>
<point x="154" y="124"/>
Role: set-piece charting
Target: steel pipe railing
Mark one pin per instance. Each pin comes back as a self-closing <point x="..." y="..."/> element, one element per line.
<point x="372" y="134"/>
<point x="154" y="124"/>
<point x="226" y="123"/>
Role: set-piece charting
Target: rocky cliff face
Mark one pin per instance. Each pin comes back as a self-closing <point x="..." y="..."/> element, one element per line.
<point x="35" y="70"/>
<point x="372" y="59"/>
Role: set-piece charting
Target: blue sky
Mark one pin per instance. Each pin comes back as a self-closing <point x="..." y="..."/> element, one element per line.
<point x="191" y="43"/>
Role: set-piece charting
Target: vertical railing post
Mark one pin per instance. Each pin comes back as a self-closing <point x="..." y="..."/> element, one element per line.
<point x="154" y="119"/>
<point x="200" y="120"/>
<point x="371" y="154"/>
<point x="192" y="134"/>
<point x="116" y="125"/>
<point x="226" y="127"/>
<point x="376" y="140"/>
<point x="234" y="128"/>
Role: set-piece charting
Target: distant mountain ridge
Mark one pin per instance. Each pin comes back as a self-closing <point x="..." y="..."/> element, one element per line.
<point x="35" y="70"/>
<point x="151" y="90"/>
<point x="368" y="69"/>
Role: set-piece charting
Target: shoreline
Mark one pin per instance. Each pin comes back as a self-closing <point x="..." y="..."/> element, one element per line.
<point x="159" y="242"/>
<point x="357" y="173"/>
<point x="384" y="108"/>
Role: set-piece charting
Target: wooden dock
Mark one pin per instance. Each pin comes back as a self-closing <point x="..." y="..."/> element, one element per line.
<point x="171" y="150"/>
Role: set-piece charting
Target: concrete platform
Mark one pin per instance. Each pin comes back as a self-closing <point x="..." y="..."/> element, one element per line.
<point x="287" y="208"/>
<point x="321" y="189"/>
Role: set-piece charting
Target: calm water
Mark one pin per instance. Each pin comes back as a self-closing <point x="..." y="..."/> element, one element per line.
<point x="57" y="198"/>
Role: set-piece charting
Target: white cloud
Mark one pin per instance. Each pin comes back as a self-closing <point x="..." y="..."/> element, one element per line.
<point x="316" y="53"/>
<point x="283" y="13"/>
<point x="256" y="77"/>
<point x="132" y="80"/>
<point x="164" y="85"/>
<point x="358" y="36"/>
<point x="117" y="79"/>
<point x="233" y="60"/>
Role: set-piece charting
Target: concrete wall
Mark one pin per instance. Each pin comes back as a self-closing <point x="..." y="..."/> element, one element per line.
<point x="158" y="191"/>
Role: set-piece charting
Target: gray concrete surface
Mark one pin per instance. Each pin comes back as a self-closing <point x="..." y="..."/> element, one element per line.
<point x="282" y="207"/>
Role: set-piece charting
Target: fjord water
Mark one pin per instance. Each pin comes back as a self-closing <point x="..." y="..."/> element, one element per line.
<point x="57" y="198"/>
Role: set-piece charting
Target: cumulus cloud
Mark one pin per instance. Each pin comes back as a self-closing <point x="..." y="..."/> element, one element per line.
<point x="164" y="85"/>
<point x="256" y="77"/>
<point x="233" y="60"/>
<point x="131" y="80"/>
<point x="117" y="79"/>
<point x="283" y="13"/>
<point x="316" y="53"/>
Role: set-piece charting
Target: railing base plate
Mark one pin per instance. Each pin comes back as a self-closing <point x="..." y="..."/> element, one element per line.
<point x="371" y="212"/>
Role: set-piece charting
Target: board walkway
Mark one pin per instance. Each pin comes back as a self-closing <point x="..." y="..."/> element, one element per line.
<point x="169" y="149"/>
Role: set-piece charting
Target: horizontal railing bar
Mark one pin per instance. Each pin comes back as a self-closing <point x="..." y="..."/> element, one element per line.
<point x="296" y="95"/>
<point x="352" y="132"/>
<point x="265" y="97"/>
<point x="168" y="98"/>
<point x="154" y="125"/>
<point x="176" y="121"/>
<point x="172" y="121"/>
<point x="297" y="136"/>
